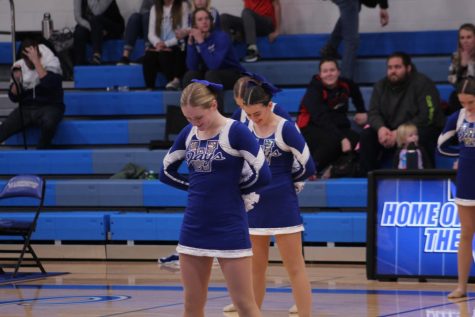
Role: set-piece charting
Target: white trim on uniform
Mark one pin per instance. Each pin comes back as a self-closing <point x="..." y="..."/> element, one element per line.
<point x="275" y="231"/>
<point x="465" y="202"/>
<point x="214" y="253"/>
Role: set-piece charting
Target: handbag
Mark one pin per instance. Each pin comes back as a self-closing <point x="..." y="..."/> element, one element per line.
<point x="62" y="40"/>
<point x="345" y="166"/>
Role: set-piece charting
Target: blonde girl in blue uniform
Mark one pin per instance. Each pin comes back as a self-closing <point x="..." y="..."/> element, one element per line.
<point x="216" y="150"/>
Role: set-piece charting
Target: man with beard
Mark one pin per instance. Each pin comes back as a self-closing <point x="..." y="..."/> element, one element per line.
<point x="37" y="87"/>
<point x="403" y="96"/>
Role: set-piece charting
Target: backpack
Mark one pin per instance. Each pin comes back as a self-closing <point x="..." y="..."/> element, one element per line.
<point x="347" y="165"/>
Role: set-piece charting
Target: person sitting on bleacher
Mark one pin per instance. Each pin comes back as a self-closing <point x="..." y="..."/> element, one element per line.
<point x="137" y="26"/>
<point x="205" y="4"/>
<point x="37" y="87"/>
<point x="258" y="18"/>
<point x="323" y="115"/>
<point x="167" y="30"/>
<point x="462" y="64"/>
<point x="95" y="19"/>
<point x="210" y="54"/>
<point x="403" y="96"/>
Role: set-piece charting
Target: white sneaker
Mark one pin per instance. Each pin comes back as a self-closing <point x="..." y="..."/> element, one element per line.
<point x="229" y="308"/>
<point x="293" y="310"/>
<point x="173" y="85"/>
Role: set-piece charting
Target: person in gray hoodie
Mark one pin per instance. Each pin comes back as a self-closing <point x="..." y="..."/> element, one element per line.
<point x="403" y="96"/>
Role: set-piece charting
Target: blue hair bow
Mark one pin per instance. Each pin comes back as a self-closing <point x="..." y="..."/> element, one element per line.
<point x="269" y="87"/>
<point x="210" y="85"/>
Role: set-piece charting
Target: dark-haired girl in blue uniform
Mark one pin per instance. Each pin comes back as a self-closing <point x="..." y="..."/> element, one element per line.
<point x="217" y="150"/>
<point x="238" y="92"/>
<point x="460" y="126"/>
<point x="277" y="212"/>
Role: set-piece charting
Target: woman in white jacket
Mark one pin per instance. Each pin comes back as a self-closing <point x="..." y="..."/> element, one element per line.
<point x="168" y="26"/>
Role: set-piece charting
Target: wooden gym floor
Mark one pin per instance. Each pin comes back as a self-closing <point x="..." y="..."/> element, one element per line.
<point x="139" y="289"/>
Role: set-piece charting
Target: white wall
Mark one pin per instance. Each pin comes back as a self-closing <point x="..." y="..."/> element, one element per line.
<point x="300" y="16"/>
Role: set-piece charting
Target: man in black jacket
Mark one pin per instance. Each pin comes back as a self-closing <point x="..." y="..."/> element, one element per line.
<point x="346" y="30"/>
<point x="403" y="96"/>
<point x="37" y="87"/>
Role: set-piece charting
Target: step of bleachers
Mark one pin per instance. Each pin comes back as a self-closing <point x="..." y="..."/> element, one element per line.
<point x="283" y="73"/>
<point x="347" y="227"/>
<point x="289" y="46"/>
<point x="86" y="103"/>
<point x="110" y="75"/>
<point x="117" y="193"/>
<point x="104" y="103"/>
<point x="78" y="162"/>
<point x="66" y="225"/>
<point x="99" y="132"/>
<point x="94" y="103"/>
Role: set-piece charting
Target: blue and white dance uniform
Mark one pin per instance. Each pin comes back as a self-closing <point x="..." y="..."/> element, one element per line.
<point x="215" y="221"/>
<point x="458" y="139"/>
<point x="277" y="211"/>
<point x="240" y="115"/>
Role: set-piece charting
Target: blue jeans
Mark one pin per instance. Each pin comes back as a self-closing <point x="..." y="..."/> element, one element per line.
<point x="137" y="27"/>
<point x="347" y="30"/>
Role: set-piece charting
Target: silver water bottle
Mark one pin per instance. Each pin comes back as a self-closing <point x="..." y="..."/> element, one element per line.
<point x="47" y="26"/>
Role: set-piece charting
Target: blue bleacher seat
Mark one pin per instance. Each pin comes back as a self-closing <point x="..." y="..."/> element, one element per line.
<point x="348" y="227"/>
<point x="97" y="132"/>
<point x="92" y="103"/>
<point x="67" y="225"/>
<point x="146" y="226"/>
<point x="101" y="103"/>
<point x="152" y="193"/>
<point x="295" y="46"/>
<point x="110" y="76"/>
<point x="283" y="73"/>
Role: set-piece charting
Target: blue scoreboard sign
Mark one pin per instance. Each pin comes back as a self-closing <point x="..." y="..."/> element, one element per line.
<point x="413" y="227"/>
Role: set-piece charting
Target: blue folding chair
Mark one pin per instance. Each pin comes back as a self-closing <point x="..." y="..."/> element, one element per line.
<point x="29" y="186"/>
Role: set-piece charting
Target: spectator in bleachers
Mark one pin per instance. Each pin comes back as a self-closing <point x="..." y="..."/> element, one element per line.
<point x="238" y="93"/>
<point x="96" y="20"/>
<point x="463" y="63"/>
<point x="37" y="87"/>
<point x="220" y="192"/>
<point x="346" y="30"/>
<point x="167" y="30"/>
<point x="206" y="4"/>
<point x="409" y="155"/>
<point x="137" y="27"/>
<point x="210" y="54"/>
<point x="403" y="96"/>
<point x="323" y="115"/>
<point x="258" y="18"/>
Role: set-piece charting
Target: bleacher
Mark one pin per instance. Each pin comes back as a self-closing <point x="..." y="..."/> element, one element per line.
<point x="104" y="130"/>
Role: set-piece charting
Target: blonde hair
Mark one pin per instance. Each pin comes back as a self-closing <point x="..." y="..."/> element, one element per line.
<point x="240" y="86"/>
<point x="403" y="131"/>
<point x="207" y="7"/>
<point x="197" y="95"/>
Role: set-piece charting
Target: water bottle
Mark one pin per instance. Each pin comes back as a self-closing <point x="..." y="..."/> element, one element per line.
<point x="150" y="175"/>
<point x="47" y="25"/>
<point x="412" y="157"/>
